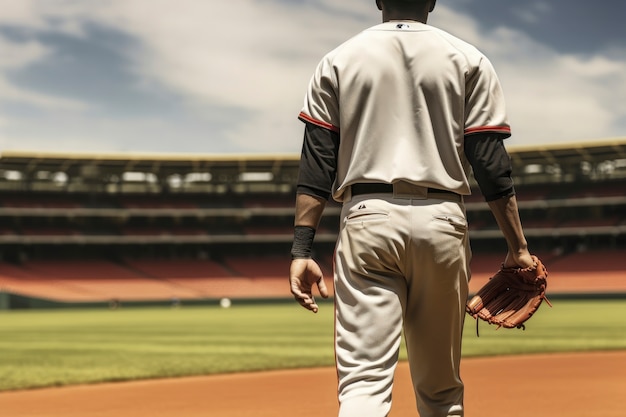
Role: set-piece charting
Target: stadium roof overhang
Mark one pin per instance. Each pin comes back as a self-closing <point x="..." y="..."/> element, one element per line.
<point x="581" y="161"/>
<point x="275" y="168"/>
<point x="123" y="162"/>
<point x="570" y="153"/>
<point x="158" y="168"/>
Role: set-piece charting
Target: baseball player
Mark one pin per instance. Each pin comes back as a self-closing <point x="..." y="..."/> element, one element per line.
<point x="394" y="119"/>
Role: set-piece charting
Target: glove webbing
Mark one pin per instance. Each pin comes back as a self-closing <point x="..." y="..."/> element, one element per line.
<point x="499" y="317"/>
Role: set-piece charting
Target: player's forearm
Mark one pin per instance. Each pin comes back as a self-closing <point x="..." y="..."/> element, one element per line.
<point x="309" y="210"/>
<point x="506" y="212"/>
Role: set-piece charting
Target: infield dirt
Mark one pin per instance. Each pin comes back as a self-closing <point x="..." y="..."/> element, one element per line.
<point x="554" y="385"/>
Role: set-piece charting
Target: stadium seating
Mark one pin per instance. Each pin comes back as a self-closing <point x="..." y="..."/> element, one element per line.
<point x="256" y="277"/>
<point x="97" y="238"/>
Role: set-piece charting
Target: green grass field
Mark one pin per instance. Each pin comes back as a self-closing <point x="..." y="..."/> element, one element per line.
<point x="60" y="347"/>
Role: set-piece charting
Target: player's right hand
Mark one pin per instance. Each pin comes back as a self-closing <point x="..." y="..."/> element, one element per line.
<point x="303" y="274"/>
<point x="523" y="259"/>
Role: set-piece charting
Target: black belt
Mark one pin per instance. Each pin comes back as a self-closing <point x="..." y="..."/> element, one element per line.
<point x="380" y="188"/>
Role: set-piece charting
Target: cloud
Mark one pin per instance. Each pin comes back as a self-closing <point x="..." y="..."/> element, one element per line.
<point x="20" y="14"/>
<point x="86" y="134"/>
<point x="21" y="51"/>
<point x="11" y="93"/>
<point x="16" y="55"/>
<point x="240" y="69"/>
<point x="534" y="12"/>
<point x="257" y="62"/>
<point x="561" y="97"/>
<point x="21" y="54"/>
<point x="551" y="96"/>
<point x="250" y="69"/>
<point x="65" y="16"/>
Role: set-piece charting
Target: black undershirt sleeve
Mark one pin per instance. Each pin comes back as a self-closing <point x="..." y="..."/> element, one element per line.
<point x="318" y="162"/>
<point x="491" y="165"/>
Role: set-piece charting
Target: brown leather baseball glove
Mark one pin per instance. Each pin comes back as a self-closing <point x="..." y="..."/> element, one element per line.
<point x="511" y="296"/>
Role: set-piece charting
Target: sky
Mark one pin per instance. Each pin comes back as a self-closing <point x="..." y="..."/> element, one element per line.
<point x="222" y="77"/>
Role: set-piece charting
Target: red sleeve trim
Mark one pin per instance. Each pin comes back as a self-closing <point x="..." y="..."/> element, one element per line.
<point x="308" y="119"/>
<point x="489" y="129"/>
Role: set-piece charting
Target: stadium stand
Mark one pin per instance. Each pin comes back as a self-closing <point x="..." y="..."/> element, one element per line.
<point x="124" y="227"/>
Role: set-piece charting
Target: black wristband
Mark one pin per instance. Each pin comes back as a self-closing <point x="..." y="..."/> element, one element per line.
<point x="302" y="242"/>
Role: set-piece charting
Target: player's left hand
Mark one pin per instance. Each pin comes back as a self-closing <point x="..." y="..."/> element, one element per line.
<point x="303" y="274"/>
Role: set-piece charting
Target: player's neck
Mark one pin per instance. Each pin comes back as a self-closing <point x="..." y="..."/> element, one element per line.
<point x="389" y="16"/>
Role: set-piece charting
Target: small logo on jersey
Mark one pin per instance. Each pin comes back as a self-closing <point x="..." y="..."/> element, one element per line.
<point x="361" y="207"/>
<point x="402" y="26"/>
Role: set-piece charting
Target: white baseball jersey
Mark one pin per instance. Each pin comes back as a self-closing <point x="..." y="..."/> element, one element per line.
<point x="403" y="95"/>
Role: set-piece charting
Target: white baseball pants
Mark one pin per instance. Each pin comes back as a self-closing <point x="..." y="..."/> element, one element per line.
<point x="401" y="264"/>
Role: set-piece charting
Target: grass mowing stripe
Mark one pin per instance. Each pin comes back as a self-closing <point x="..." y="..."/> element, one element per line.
<point x="60" y="347"/>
